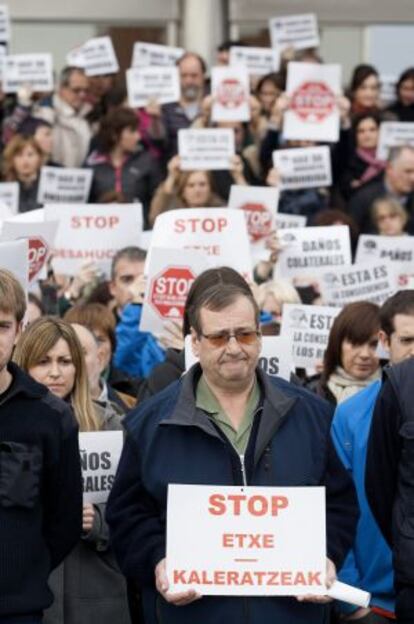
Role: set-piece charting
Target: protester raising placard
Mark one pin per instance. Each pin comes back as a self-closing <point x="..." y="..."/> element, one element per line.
<point x="294" y="31"/>
<point x="22" y="70"/>
<point x="146" y="83"/>
<point x="397" y="250"/>
<point x="375" y="281"/>
<point x="146" y="54"/>
<point x="207" y="148"/>
<point x="313" y="113"/>
<point x="96" y="56"/>
<point x="303" y="167"/>
<point x="63" y="185"/>
<point x="257" y="61"/>
<point x="230" y="91"/>
<point x="99" y="454"/>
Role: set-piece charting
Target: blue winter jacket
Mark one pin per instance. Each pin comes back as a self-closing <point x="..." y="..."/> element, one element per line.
<point x="369" y="563"/>
<point x="169" y="440"/>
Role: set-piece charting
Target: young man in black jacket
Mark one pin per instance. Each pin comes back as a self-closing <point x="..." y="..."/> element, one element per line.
<point x="40" y="478"/>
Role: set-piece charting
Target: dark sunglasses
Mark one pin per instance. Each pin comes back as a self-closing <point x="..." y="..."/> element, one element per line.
<point x="243" y="336"/>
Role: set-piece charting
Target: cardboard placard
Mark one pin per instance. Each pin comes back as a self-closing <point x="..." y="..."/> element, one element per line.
<point x="64" y="185"/>
<point x="257" y="61"/>
<point x="397" y="250"/>
<point x="97" y="57"/>
<point x="313" y="113"/>
<point x="14" y="256"/>
<point x="303" y="167"/>
<point x="93" y="233"/>
<point x="310" y="250"/>
<point x="146" y="83"/>
<point x="294" y="31"/>
<point x="9" y="195"/>
<point x="387" y="92"/>
<point x="246" y="541"/>
<point x="146" y="54"/>
<point x="207" y="148"/>
<point x="394" y="134"/>
<point x="20" y="70"/>
<point x="5" y="30"/>
<point x="374" y="282"/>
<point x="219" y="233"/>
<point x="284" y="221"/>
<point x="230" y="89"/>
<point x="308" y="327"/>
<point x="100" y="452"/>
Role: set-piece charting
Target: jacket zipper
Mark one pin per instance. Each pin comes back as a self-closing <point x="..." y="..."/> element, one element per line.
<point x="243" y="470"/>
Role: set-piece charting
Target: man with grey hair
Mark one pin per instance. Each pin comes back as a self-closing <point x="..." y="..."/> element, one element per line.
<point x="397" y="183"/>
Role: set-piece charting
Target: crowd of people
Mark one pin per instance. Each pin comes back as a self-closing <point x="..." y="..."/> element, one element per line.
<point x="73" y="359"/>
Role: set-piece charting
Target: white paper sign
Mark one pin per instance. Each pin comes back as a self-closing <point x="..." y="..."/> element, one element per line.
<point x="397" y="250"/>
<point x="96" y="56"/>
<point x="170" y="277"/>
<point x="284" y="221"/>
<point x="303" y="167"/>
<point x="146" y="54"/>
<point x="32" y="216"/>
<point x="209" y="546"/>
<point x="5" y="30"/>
<point x="40" y="236"/>
<point x="145" y="83"/>
<point x="313" y="113"/>
<point x="219" y="233"/>
<point x="93" y="233"/>
<point x="394" y="134"/>
<point x="230" y="89"/>
<point x="308" y="327"/>
<point x="259" y="204"/>
<point x="9" y="195"/>
<point x="207" y="148"/>
<point x="310" y="250"/>
<point x="20" y="70"/>
<point x="374" y="282"/>
<point x="294" y="31"/>
<point x="387" y="92"/>
<point x="100" y="452"/>
<point x="63" y="185"/>
<point x="14" y="256"/>
<point x="257" y="61"/>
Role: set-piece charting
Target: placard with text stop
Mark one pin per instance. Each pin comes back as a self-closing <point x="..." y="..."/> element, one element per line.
<point x="246" y="541"/>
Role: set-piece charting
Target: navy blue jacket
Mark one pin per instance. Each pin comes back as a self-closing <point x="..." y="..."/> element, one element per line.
<point x="169" y="440"/>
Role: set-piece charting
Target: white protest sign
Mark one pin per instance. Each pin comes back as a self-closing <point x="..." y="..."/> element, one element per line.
<point x="9" y="195"/>
<point x="307" y="251"/>
<point x="303" y="167"/>
<point x="313" y="112"/>
<point x="374" y="282"/>
<point x="219" y="233"/>
<point x="64" y="185"/>
<point x="206" y="148"/>
<point x="145" y="83"/>
<point x="96" y="56"/>
<point x="32" y="216"/>
<point x="294" y="31"/>
<point x="146" y="54"/>
<point x="250" y="541"/>
<point x="398" y="250"/>
<point x="21" y="70"/>
<point x="275" y="356"/>
<point x="170" y="277"/>
<point x="230" y="90"/>
<point x="394" y="134"/>
<point x="284" y="221"/>
<point x="100" y="452"/>
<point x="5" y="30"/>
<point x="308" y="327"/>
<point x="92" y="233"/>
<point x="257" y="61"/>
<point x="40" y="237"/>
<point x="14" y="256"/>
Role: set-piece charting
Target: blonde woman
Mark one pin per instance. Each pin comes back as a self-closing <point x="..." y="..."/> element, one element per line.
<point x="88" y="584"/>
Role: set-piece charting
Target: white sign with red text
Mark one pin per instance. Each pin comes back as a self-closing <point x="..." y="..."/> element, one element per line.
<point x="397" y="250"/>
<point x="93" y="233"/>
<point x="9" y="195"/>
<point x="100" y="452"/>
<point x="219" y="233"/>
<point x="14" y="256"/>
<point x="246" y="541"/>
<point x="230" y="89"/>
<point x="147" y="83"/>
<point x="206" y="148"/>
<point x="313" y="114"/>
<point x="373" y="281"/>
<point x="20" y="70"/>
<point x="64" y="185"/>
<point x="257" y="61"/>
<point x="97" y="57"/>
<point x="303" y="167"/>
<point x="146" y="54"/>
<point x="294" y="31"/>
<point x="394" y="134"/>
<point x="169" y="279"/>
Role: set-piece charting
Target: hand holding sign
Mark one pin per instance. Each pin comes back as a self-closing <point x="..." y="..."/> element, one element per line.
<point x="161" y="582"/>
<point x="329" y="580"/>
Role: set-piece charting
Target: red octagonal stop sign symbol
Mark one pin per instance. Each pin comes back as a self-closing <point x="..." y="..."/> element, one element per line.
<point x="38" y="251"/>
<point x="313" y="101"/>
<point x="258" y="219"/>
<point x="169" y="291"/>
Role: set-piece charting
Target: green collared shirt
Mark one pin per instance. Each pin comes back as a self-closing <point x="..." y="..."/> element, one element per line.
<point x="207" y="401"/>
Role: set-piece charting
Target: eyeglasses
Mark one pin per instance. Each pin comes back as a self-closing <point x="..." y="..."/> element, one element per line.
<point x="244" y="337"/>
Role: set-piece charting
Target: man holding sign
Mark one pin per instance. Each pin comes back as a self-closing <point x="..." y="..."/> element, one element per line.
<point x="224" y="423"/>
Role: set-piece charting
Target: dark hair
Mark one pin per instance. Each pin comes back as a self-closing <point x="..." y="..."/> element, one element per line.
<point x="94" y="316"/>
<point x="133" y="254"/>
<point x="215" y="289"/>
<point x="400" y="303"/>
<point x="231" y="43"/>
<point x="67" y="72"/>
<point x="408" y="74"/>
<point x="331" y="216"/>
<point x="277" y="79"/>
<point x="360" y="74"/>
<point x="199" y="58"/>
<point x="30" y="125"/>
<point x="357" y="323"/>
<point x="360" y="117"/>
<point x="112" y="126"/>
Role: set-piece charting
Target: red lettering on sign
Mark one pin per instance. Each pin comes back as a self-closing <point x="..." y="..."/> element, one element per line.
<point x="258" y="219"/>
<point x="169" y="290"/>
<point x="313" y="101"/>
<point x="38" y="251"/>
